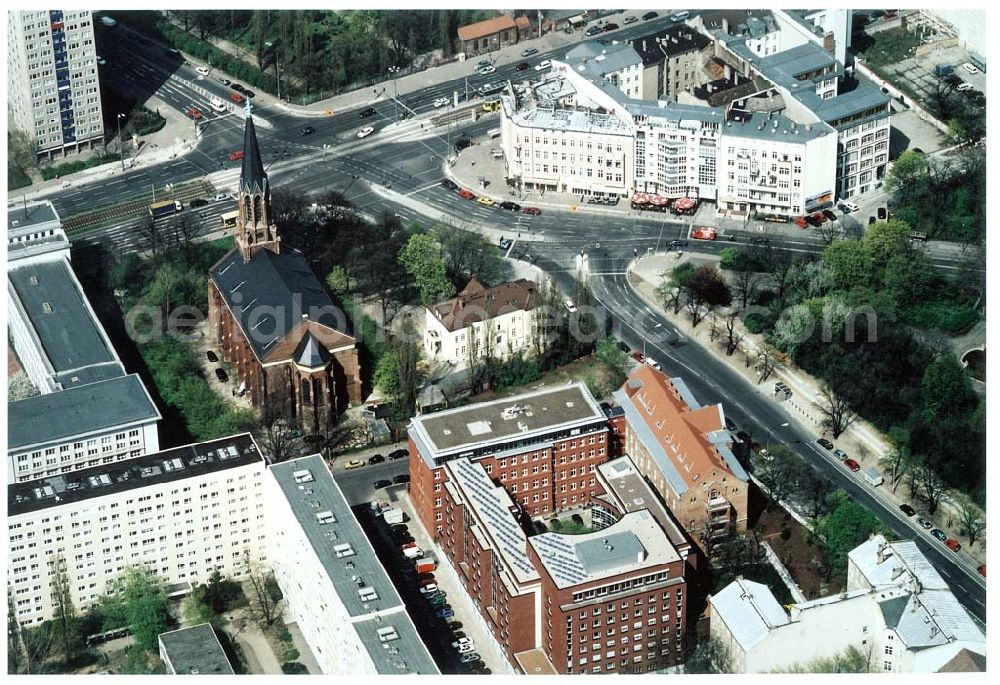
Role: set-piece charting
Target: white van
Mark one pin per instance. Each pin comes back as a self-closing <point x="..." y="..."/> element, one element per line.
<point x="680" y="16"/>
<point x="494" y="132"/>
<point x="108" y="21"/>
<point x="873" y="477"/>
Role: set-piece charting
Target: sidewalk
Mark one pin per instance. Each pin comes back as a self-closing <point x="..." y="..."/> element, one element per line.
<point x="862" y="441"/>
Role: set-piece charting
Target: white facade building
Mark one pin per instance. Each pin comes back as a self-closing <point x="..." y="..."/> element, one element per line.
<point x="336" y="589"/>
<point x="896" y="610"/>
<point x="498" y="321"/>
<point x="53" y="90"/>
<point x="183" y="513"/>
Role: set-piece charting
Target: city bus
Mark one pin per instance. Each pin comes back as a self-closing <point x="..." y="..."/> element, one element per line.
<point x="229" y="219"/>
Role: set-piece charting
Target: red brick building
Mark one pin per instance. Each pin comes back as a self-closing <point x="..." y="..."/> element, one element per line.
<point x="682" y="449"/>
<point x="493" y="34"/>
<point x="288" y="344"/>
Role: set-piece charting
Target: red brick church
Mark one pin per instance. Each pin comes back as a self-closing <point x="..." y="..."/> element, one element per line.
<point x="288" y="344"/>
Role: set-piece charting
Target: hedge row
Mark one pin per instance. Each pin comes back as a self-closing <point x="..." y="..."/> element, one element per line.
<point x="60" y="170"/>
<point x="16" y="178"/>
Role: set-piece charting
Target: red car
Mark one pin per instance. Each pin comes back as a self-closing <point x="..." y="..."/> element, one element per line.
<point x="533" y="211"/>
<point x="236" y="156"/>
<point x="638" y="356"/>
<point x="236" y="97"/>
<point x="703" y="233"/>
<point x="193" y="113"/>
<point x="982" y="570"/>
<point x="852" y="465"/>
<point x="953" y="544"/>
<point x="801" y="222"/>
<point x="467" y="194"/>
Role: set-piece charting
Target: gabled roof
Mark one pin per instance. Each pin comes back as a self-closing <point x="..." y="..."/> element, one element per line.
<point x="271" y="295"/>
<point x="484" y="28"/>
<point x="252" y="176"/>
<point x="476" y="303"/>
<point x="749" y="610"/>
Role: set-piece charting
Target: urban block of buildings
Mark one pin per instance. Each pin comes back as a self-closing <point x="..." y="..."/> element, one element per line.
<point x="492" y="34"/>
<point x="68" y="358"/>
<point x="288" y="344"/>
<point x="762" y="120"/>
<point x="651" y="474"/>
<point x="896" y="609"/>
<point x="498" y="322"/>
<point x="53" y="89"/>
<point x="194" y="651"/>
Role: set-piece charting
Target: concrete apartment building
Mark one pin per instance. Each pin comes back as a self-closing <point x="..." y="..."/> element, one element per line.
<point x="194" y="651"/>
<point x="617" y="64"/>
<point x="69" y="358"/>
<point x="896" y="610"/>
<point x="607" y="601"/>
<point x="543" y="447"/>
<point x="53" y="91"/>
<point x="682" y="449"/>
<point x="183" y="513"/>
<point x="335" y="587"/>
<point x="480" y="321"/>
<point x="672" y="62"/>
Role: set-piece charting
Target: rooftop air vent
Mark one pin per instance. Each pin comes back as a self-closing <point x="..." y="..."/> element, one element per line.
<point x="303" y="476"/>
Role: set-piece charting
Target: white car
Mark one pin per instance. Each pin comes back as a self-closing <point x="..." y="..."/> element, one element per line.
<point x="202" y="70"/>
<point x="488" y="69"/>
<point x="543" y="65"/>
<point x="964" y="87"/>
<point x="441" y="102"/>
<point x="218" y="105"/>
<point x="108" y="21"/>
<point x="366" y="131"/>
<point x="849" y="206"/>
<point x="462" y="641"/>
<point x="652" y="362"/>
<point x="970" y="68"/>
<point x="462" y="649"/>
<point x="101" y="62"/>
<point x="570" y="307"/>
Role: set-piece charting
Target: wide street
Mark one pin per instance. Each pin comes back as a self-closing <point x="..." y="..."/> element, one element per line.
<point x="399" y="169"/>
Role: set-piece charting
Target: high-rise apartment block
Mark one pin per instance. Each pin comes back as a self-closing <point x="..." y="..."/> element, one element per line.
<point x="52" y="83"/>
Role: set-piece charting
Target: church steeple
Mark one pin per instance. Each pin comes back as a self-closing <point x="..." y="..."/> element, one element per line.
<point x="254" y="229"/>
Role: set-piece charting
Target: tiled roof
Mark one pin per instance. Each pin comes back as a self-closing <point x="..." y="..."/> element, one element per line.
<point x="484" y="28"/>
<point x="476" y="303"/>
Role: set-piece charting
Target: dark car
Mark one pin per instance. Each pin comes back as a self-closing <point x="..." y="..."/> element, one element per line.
<point x="462" y="143"/>
<point x="871" y="220"/>
<point x="369" y="112"/>
<point x="650" y="15"/>
<point x="883" y="214"/>
<point x="237" y="87"/>
<point x="813" y="221"/>
<point x="400" y="528"/>
<point x="449" y="184"/>
<point x="523" y="66"/>
<point x="939" y="534"/>
<point x="379" y="484"/>
<point x="455" y="625"/>
<point x="376" y="459"/>
<point x="623" y="346"/>
<point x="512" y="206"/>
<point x="398" y="454"/>
<point x="533" y="211"/>
<point x="221" y="375"/>
<point x="249" y="93"/>
<point x="610" y="27"/>
<point x="212" y="356"/>
<point x="907" y="509"/>
<point x="425" y="576"/>
<point x="678" y="243"/>
<point x="307" y="131"/>
<point x="730" y="425"/>
<point x="199" y="202"/>
<point x="829" y="215"/>
<point x="824" y="443"/>
<point x="592" y="31"/>
<point x="401" y="478"/>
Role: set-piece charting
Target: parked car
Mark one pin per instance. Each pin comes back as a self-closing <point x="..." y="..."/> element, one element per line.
<point x="611" y="27"/>
<point x="376" y="459"/>
<point x="449" y="184"/>
<point x="455" y="625"/>
<point x="543" y="65"/>
<point x="801" y="222"/>
<point x="523" y="66"/>
<point x="962" y="87"/>
<point x="840" y="454"/>
<point x="982" y="570"/>
<point x="528" y="52"/>
<point x="466" y="194"/>
<point x="223" y="80"/>
<point x="882" y="213"/>
<point x="488" y="201"/>
<point x="953" y="544"/>
<point x="512" y="206"/>
<point x="638" y="356"/>
<point x="236" y="156"/>
<point x="970" y="68"/>
<point x="847" y="207"/>
<point x="109" y="22"/>
<point x="939" y="534"/>
<point x="652" y="362"/>
<point x="650" y="15"/>
<point x="824" y="443"/>
<point x="193" y="113"/>
<point x="367" y="112"/>
<point x="592" y="31"/>
<point x="381" y="484"/>
<point x="465" y="648"/>
<point x="221" y="375"/>
<point x="354" y="464"/>
<point x="533" y="211"/>
<point x="202" y="70"/>
<point x="924" y="523"/>
<point x="469" y="657"/>
<point x="852" y="465"/>
<point x="401" y="478"/>
<point x="444" y="612"/>
<point x="366" y="131"/>
<point x="907" y="509"/>
<point x="829" y="215"/>
<point x="307" y="131"/>
<point x="398" y="454"/>
<point x="462" y="641"/>
<point x="679" y="16"/>
<point x="212" y="356"/>
<point x="570" y="307"/>
<point x="504" y="243"/>
<point x="249" y="93"/>
<point x="630" y="20"/>
<point x="437" y="599"/>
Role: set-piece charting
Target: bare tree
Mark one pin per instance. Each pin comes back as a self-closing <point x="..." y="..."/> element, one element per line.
<point x="149" y="234"/>
<point x="15" y="648"/>
<point x="897" y="464"/>
<point x="732" y="337"/>
<point x="781" y="471"/>
<point x="836" y="409"/>
<point x="185" y="232"/>
<point x="828" y="232"/>
<point x="265" y="600"/>
<point x="746" y="281"/>
<point x="925" y="483"/>
<point x="63" y="612"/>
<point x="670" y="295"/>
<point x="713" y="331"/>
<point x="278" y="439"/>
<point x="970" y="519"/>
<point x="765" y="363"/>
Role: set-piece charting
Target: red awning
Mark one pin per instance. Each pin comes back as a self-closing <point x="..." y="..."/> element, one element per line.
<point x="684" y="203"/>
<point x="640" y="198"/>
<point x="659" y="200"/>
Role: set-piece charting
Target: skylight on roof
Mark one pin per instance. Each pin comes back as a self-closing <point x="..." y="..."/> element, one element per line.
<point x="479" y="427"/>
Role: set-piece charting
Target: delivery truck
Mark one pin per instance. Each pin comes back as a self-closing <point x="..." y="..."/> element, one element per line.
<point x="426" y="564"/>
<point x="165" y="208"/>
<point x="873" y="477"/>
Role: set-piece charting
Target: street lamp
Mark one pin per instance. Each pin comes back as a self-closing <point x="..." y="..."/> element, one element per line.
<point x="121" y="146"/>
<point x="394" y="70"/>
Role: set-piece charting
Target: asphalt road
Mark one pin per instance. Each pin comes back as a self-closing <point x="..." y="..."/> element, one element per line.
<point x="554" y="241"/>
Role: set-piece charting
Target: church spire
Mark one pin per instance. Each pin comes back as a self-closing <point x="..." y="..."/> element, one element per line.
<point x="254" y="228"/>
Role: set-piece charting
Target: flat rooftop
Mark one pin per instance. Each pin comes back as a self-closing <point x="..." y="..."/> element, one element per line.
<point x="22" y="215"/>
<point x="521" y="417"/>
<point x="54" y="303"/>
<point x="352" y="566"/>
<point x="632" y="493"/>
<point x="131" y="474"/>
<point x="633" y="543"/>
<point x="195" y="651"/>
<point x="55" y="417"/>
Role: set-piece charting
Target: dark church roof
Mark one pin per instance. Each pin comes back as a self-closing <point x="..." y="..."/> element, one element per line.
<point x="270" y="294"/>
<point x="252" y="176"/>
<point x="310" y="353"/>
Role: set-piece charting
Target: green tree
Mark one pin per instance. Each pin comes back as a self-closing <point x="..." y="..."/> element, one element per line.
<point x="849" y="263"/>
<point x="15" y="650"/>
<point x="469" y="254"/>
<point x="20" y="387"/>
<point x="908" y="277"/>
<point x="780" y="470"/>
<point x="194" y="610"/>
<point x="946" y="389"/>
<point x="710" y="655"/>
<point x="705" y="288"/>
<point x="139" y="602"/>
<point x="421" y="257"/>
<point x="846" y="526"/>
<point x="851" y="660"/>
<point x="65" y="623"/>
<point x="672" y="286"/>
<point x="908" y="178"/>
<point x="886" y="239"/>
<point x="614" y="359"/>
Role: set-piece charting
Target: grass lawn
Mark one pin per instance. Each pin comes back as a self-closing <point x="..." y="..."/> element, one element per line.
<point x="890" y="47"/>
